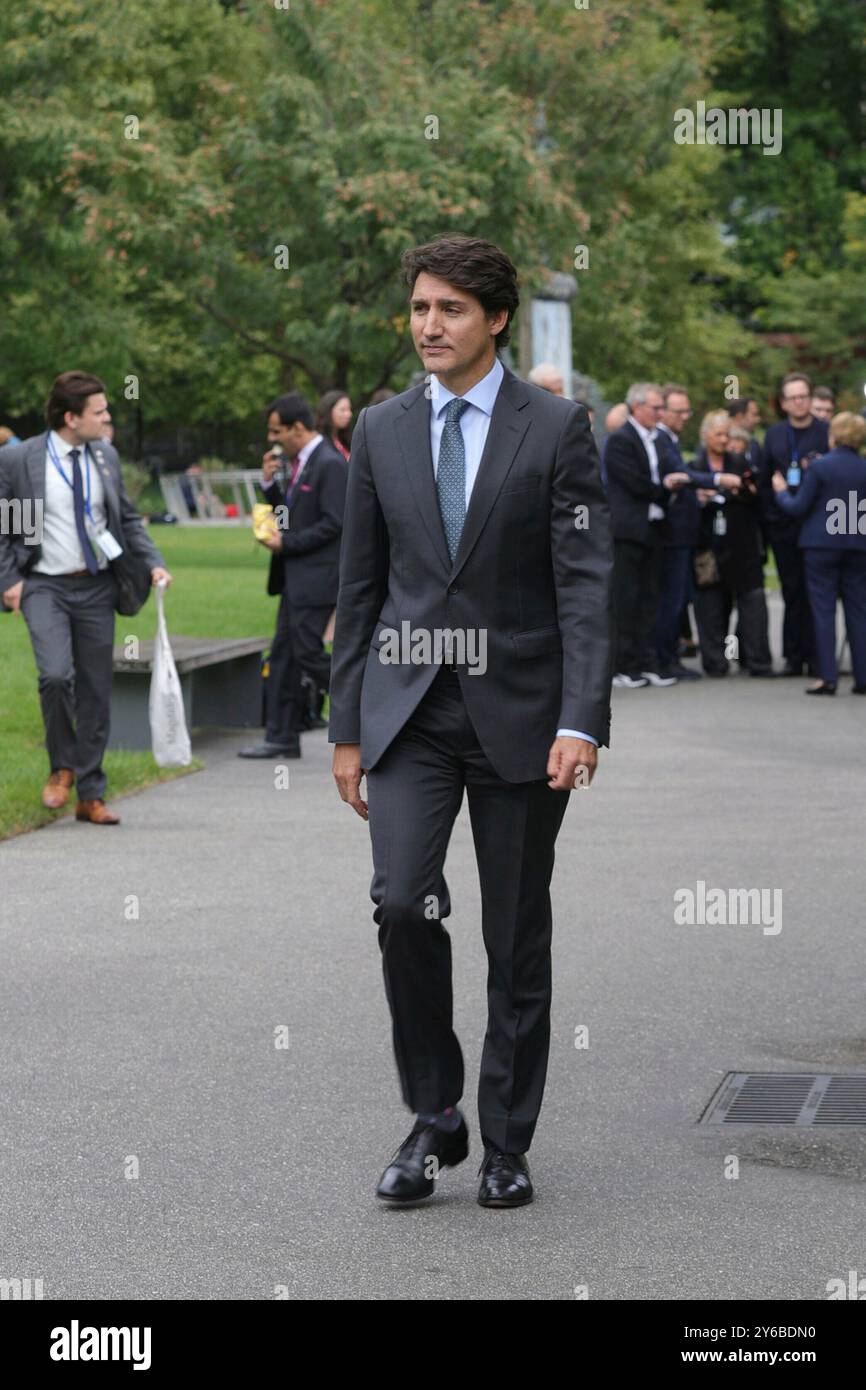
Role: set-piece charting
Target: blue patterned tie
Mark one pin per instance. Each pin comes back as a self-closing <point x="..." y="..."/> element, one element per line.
<point x="78" y="509"/>
<point x="451" y="474"/>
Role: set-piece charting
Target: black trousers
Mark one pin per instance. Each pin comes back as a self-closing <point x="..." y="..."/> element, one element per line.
<point x="637" y="577"/>
<point x="713" y="606"/>
<point x="414" y="794"/>
<point x="71" y="624"/>
<point x="798" y="628"/>
<point x="296" y="651"/>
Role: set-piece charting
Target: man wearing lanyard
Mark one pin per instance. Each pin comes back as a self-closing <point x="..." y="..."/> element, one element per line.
<point x="63" y="585"/>
<point x="788" y="448"/>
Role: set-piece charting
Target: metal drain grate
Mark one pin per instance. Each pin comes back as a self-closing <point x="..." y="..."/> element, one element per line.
<point x="788" y="1098"/>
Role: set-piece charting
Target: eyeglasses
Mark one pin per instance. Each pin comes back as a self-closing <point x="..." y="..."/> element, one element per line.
<point x="791" y="400"/>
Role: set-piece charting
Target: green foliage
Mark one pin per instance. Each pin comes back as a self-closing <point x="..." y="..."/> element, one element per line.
<point x="214" y="198"/>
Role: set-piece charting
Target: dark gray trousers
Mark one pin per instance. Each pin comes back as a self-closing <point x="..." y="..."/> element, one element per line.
<point x="414" y="794"/>
<point x="71" y="623"/>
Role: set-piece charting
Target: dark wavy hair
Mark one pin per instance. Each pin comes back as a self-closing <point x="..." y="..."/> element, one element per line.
<point x="70" y="391"/>
<point x="472" y="264"/>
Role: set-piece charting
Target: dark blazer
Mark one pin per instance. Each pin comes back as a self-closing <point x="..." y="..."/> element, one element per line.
<point x="831" y="479"/>
<point x="740" y="552"/>
<point x="777" y="455"/>
<point x="682" y="522"/>
<point x="524" y="574"/>
<point x="630" y="488"/>
<point x="307" y="569"/>
<point x="22" y="477"/>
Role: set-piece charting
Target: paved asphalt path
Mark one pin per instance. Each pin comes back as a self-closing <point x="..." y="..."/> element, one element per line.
<point x="152" y="1041"/>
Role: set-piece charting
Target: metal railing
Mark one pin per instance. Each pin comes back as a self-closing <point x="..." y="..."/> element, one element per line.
<point x="209" y="506"/>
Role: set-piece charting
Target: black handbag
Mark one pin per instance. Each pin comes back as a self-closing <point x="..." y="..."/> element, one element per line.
<point x="133" y="583"/>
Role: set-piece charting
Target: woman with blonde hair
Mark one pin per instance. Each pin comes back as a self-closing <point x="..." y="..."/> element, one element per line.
<point x="728" y="562"/>
<point x="832" y="502"/>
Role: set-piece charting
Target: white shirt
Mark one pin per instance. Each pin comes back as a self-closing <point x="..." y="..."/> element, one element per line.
<point x="61" y="548"/>
<point x="474" y="425"/>
<point x="656" y="513"/>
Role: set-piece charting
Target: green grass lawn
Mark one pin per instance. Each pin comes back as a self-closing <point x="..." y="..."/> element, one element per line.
<point x="218" y="591"/>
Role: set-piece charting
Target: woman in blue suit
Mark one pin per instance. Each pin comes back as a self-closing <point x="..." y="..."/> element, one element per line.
<point x="832" y="502"/>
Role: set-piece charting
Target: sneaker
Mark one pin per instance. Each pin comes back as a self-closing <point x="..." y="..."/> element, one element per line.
<point x="682" y="673"/>
<point x="629" y="682"/>
<point x="654" y="678"/>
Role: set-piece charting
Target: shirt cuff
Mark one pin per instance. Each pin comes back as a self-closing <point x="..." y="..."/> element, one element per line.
<point x="576" y="733"/>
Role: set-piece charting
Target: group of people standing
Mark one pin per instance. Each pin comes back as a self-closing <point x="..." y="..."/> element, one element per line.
<point x="697" y="533"/>
<point x="688" y="536"/>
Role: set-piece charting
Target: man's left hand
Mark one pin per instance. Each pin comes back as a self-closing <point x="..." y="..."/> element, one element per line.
<point x="274" y="541"/>
<point x="567" y="755"/>
<point x="159" y="576"/>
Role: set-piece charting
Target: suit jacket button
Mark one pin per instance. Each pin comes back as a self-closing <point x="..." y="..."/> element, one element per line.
<point x="454" y="588"/>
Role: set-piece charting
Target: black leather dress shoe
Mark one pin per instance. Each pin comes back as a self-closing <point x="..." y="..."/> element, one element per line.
<point x="411" y="1174"/>
<point x="271" y="750"/>
<point x="826" y="688"/>
<point x="858" y="689"/>
<point x="504" y="1180"/>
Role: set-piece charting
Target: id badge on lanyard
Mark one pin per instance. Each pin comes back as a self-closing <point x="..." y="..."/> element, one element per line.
<point x="793" y="475"/>
<point x="107" y="543"/>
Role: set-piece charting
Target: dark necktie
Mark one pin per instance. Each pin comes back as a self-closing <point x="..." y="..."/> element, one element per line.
<point x="451" y="475"/>
<point x="78" y="507"/>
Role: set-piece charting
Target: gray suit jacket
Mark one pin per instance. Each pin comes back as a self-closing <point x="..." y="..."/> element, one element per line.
<point x="22" y="478"/>
<point x="531" y="571"/>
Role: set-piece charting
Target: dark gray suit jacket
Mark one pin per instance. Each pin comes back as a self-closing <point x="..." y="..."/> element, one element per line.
<point x="537" y="583"/>
<point x="22" y="476"/>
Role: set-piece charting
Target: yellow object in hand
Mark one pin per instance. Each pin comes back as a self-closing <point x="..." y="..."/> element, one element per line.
<point x="264" y="521"/>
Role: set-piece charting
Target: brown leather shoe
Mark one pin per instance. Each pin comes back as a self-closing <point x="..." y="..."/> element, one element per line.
<point x="96" y="812"/>
<point x="55" y="793"/>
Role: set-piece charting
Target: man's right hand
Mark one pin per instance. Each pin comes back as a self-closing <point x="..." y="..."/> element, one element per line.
<point x="347" y="774"/>
<point x="12" y="597"/>
<point x="270" y="464"/>
<point x="675" y="481"/>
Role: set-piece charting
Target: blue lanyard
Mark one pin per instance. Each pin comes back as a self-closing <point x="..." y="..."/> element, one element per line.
<point x="794" y="445"/>
<point x="57" y="464"/>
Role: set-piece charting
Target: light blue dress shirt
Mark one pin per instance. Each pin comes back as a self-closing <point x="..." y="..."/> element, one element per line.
<point x="474" y="424"/>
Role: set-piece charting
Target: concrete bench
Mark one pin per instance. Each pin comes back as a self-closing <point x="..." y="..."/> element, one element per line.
<point x="221" y="681"/>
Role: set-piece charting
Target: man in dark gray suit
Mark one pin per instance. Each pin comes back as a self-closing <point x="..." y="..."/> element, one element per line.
<point x="66" y="516"/>
<point x="473" y="648"/>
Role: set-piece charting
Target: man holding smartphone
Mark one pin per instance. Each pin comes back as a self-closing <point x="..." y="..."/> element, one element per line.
<point x="304" y="479"/>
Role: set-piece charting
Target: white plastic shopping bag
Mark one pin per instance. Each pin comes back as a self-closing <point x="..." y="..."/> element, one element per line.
<point x="168" y="730"/>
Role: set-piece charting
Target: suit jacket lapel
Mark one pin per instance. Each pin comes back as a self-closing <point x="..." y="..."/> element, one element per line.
<point x="643" y="448"/>
<point x="35" y="464"/>
<point x="112" y="498"/>
<point x="504" y="436"/>
<point x="413" y="434"/>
